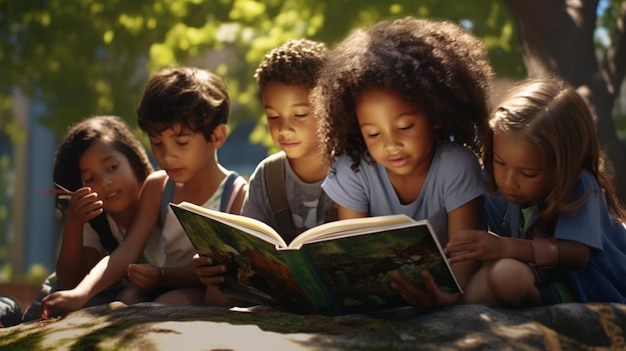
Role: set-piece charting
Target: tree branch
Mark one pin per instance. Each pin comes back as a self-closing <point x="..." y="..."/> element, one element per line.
<point x="615" y="64"/>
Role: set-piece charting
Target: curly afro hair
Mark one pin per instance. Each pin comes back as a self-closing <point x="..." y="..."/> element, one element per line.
<point x="436" y="65"/>
<point x="296" y="62"/>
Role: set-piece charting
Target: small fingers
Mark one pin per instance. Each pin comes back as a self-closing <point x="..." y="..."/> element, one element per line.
<point x="214" y="280"/>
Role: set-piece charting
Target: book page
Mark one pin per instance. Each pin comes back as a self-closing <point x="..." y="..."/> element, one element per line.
<point x="251" y="225"/>
<point x="347" y="227"/>
<point x="357" y="269"/>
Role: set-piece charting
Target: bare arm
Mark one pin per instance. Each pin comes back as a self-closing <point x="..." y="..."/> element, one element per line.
<point x="484" y="246"/>
<point x="75" y="260"/>
<point x="238" y="202"/>
<point x="147" y="277"/>
<point x="107" y="272"/>
<point x="467" y="216"/>
<point x="346" y="213"/>
<point x="112" y="268"/>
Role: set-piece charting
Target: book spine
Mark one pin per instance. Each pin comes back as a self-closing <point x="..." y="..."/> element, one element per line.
<point x="310" y="281"/>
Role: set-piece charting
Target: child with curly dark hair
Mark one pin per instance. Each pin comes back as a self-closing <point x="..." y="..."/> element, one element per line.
<point x="401" y="105"/>
<point x="285" y="78"/>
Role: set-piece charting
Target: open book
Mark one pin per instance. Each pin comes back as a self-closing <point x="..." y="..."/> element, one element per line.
<point x="336" y="268"/>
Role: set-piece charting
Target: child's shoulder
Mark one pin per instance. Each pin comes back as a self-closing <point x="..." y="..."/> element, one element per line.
<point x="455" y="155"/>
<point x="275" y="160"/>
<point x="452" y="148"/>
<point x="155" y="181"/>
<point x="587" y="181"/>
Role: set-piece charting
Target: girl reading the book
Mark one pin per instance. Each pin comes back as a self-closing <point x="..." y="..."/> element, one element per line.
<point x="560" y="229"/>
<point x="400" y="105"/>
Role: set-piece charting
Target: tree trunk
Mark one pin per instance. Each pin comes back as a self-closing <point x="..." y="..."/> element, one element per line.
<point x="558" y="37"/>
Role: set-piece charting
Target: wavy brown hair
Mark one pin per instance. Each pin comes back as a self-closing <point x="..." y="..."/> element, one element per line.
<point x="435" y="65"/>
<point x="192" y="97"/>
<point x="550" y="114"/>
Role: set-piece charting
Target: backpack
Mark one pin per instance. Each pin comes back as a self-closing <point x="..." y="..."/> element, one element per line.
<point x="275" y="185"/>
<point x="102" y="228"/>
<point x="229" y="193"/>
<point x="100" y="225"/>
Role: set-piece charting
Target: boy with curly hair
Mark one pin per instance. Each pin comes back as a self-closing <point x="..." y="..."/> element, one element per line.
<point x="285" y="78"/>
<point x="401" y="105"/>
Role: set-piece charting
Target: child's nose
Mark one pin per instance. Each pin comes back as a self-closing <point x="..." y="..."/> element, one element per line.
<point x="285" y="125"/>
<point x="509" y="181"/>
<point x="391" y="143"/>
<point x="107" y="180"/>
<point x="165" y="154"/>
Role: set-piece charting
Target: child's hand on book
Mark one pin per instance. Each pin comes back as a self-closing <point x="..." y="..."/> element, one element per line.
<point x="473" y="244"/>
<point x="208" y="272"/>
<point x="430" y="298"/>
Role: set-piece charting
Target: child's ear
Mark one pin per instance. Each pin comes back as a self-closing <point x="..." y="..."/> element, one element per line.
<point x="219" y="135"/>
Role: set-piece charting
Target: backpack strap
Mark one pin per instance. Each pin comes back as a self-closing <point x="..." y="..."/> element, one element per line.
<point x="166" y="198"/>
<point x="229" y="192"/>
<point x="101" y="225"/>
<point x="275" y="184"/>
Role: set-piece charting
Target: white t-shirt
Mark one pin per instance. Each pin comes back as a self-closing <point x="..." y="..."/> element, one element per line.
<point x="91" y="238"/>
<point x="172" y="248"/>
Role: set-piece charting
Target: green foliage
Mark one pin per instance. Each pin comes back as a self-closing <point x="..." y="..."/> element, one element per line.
<point x="89" y="57"/>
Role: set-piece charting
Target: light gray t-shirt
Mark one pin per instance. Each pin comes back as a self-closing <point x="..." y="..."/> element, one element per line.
<point x="309" y="205"/>
<point x="454" y="178"/>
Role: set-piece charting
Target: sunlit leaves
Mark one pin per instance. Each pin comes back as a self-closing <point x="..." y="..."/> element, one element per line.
<point x="247" y="10"/>
<point x="65" y="50"/>
<point x="133" y="24"/>
<point x="161" y="55"/>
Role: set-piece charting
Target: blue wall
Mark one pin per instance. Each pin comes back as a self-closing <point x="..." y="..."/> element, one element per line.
<point x="41" y="236"/>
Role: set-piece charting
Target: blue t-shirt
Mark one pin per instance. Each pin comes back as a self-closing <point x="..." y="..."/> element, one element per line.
<point x="602" y="280"/>
<point x="454" y="178"/>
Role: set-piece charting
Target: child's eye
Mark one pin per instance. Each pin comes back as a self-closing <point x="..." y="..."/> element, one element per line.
<point x="302" y="115"/>
<point x="155" y="143"/>
<point x="113" y="167"/>
<point x="529" y="174"/>
<point x="88" y="180"/>
<point x="182" y="143"/>
<point x="406" y="128"/>
<point x="271" y="117"/>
